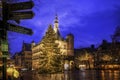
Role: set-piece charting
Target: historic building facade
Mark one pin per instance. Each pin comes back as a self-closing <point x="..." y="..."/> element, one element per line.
<point x="26" y="56"/>
<point x="17" y="58"/>
<point x="66" y="46"/>
<point x="23" y="59"/>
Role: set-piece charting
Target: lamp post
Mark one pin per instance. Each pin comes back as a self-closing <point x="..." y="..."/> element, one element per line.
<point x="4" y="45"/>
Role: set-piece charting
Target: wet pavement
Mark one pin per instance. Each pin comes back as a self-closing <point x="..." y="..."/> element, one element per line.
<point x="76" y="75"/>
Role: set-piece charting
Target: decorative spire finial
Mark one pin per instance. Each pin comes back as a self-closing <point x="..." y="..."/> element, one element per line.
<point x="56" y="19"/>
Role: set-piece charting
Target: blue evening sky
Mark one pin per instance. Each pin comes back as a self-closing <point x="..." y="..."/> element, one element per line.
<point x="90" y="21"/>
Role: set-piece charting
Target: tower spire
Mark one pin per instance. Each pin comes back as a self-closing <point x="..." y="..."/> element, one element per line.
<point x="56" y="19"/>
<point x="56" y="23"/>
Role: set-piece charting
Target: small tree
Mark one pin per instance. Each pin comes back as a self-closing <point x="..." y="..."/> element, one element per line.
<point x="106" y="57"/>
<point x="84" y="59"/>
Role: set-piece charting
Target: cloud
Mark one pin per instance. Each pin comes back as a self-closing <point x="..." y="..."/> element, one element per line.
<point x="89" y="20"/>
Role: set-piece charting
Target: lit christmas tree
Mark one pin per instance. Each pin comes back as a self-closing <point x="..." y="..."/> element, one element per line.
<point x="50" y="59"/>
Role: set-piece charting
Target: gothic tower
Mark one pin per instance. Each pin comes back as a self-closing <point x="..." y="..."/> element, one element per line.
<point x="56" y="28"/>
<point x="70" y="45"/>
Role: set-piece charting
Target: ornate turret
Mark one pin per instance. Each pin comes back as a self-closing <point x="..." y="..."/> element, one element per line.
<point x="56" y="29"/>
<point x="56" y="24"/>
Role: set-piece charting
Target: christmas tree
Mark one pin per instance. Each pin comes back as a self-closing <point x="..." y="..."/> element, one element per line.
<point x="50" y="59"/>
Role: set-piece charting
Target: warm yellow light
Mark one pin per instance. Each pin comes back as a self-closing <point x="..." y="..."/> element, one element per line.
<point x="82" y="66"/>
<point x="16" y="73"/>
<point x="106" y="58"/>
<point x="12" y="72"/>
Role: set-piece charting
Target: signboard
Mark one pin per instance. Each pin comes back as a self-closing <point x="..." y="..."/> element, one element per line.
<point x="19" y="29"/>
<point x="21" y="15"/>
<point x="20" y="6"/>
<point x="4" y="46"/>
<point x="5" y="54"/>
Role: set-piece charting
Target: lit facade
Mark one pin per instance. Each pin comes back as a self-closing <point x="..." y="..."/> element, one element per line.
<point x="23" y="59"/>
<point x="17" y="59"/>
<point x="66" y="46"/>
<point x="84" y="57"/>
<point x="26" y="57"/>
